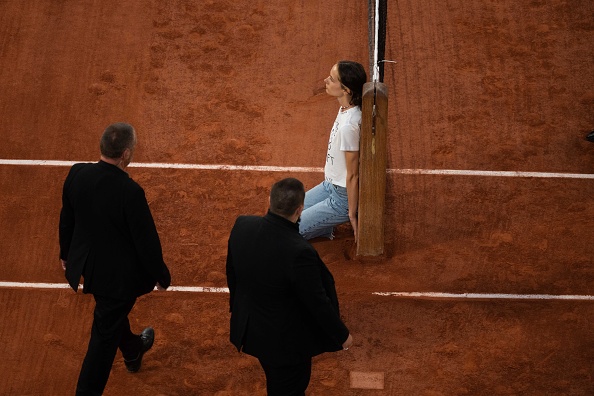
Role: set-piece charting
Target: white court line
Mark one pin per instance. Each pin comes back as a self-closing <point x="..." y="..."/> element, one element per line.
<point x="451" y="172"/>
<point x="296" y="169"/>
<point x="155" y="165"/>
<point x="442" y="296"/>
<point x="487" y="296"/>
<point x="33" y="285"/>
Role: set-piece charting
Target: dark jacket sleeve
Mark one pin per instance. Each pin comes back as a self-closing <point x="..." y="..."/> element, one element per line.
<point x="145" y="237"/>
<point x="317" y="295"/>
<point x="230" y="276"/>
<point x="66" y="226"/>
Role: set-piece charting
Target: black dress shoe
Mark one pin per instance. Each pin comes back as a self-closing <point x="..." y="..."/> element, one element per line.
<point x="148" y="337"/>
<point x="590" y="136"/>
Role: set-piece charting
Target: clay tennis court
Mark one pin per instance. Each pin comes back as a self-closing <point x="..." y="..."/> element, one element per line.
<point x="486" y="284"/>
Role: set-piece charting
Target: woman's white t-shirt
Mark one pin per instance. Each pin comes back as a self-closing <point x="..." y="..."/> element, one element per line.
<point x="345" y="136"/>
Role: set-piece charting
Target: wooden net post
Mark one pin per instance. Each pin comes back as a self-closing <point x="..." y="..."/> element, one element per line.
<point x="372" y="169"/>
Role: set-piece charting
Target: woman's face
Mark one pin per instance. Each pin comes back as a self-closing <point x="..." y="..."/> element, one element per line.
<point x="333" y="85"/>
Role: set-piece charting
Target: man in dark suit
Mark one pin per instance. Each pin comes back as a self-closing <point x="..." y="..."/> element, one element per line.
<point x="108" y="236"/>
<point x="283" y="302"/>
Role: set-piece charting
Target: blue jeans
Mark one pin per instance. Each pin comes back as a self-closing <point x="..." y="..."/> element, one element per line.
<point x="326" y="206"/>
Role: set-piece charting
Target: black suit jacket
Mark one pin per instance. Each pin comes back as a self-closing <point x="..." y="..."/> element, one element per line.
<point x="283" y="300"/>
<point x="107" y="233"/>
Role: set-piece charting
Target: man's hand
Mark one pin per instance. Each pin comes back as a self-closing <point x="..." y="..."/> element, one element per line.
<point x="159" y="287"/>
<point x="63" y="264"/>
<point x="348" y="343"/>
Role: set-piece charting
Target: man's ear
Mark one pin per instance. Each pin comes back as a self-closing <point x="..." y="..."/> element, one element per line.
<point x="298" y="211"/>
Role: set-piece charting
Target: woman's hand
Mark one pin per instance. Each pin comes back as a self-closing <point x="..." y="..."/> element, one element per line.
<point x="355" y="225"/>
<point x="352" y="186"/>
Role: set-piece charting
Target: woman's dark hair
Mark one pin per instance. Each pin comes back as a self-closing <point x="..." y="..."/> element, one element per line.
<point x="286" y="196"/>
<point x="352" y="75"/>
<point x="116" y="139"/>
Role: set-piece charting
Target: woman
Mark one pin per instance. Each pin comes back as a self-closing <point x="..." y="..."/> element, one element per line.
<point x="335" y="200"/>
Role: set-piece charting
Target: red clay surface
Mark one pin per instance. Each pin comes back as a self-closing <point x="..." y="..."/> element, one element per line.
<point x="491" y="86"/>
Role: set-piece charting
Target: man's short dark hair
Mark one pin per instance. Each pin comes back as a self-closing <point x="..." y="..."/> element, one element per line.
<point x="116" y="139"/>
<point x="286" y="196"/>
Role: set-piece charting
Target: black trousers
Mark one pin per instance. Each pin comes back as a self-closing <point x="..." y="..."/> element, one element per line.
<point x="290" y="380"/>
<point x="110" y="331"/>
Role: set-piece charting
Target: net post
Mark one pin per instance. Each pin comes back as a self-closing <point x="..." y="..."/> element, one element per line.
<point x="372" y="169"/>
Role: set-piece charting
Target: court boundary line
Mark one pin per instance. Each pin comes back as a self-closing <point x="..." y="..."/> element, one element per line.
<point x="42" y="285"/>
<point x="297" y="169"/>
<point x="486" y="296"/>
<point x="429" y="295"/>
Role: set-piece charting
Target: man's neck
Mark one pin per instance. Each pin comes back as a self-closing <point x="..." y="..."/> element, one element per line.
<point x="292" y="219"/>
<point x="114" y="161"/>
